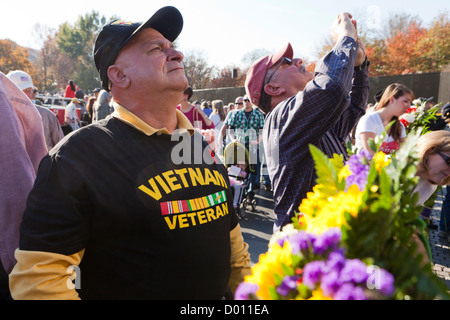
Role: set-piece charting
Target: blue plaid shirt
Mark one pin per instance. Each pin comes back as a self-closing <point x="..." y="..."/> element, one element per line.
<point x="323" y="114"/>
<point x="246" y="129"/>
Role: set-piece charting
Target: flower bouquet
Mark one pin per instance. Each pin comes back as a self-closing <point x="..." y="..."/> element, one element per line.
<point x="356" y="236"/>
<point x="302" y="265"/>
<point x="418" y="116"/>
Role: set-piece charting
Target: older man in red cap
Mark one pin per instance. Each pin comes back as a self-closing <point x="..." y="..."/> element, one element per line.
<point x="304" y="109"/>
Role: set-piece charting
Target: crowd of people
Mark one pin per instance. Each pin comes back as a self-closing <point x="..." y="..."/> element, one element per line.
<point x="109" y="201"/>
<point x="81" y="108"/>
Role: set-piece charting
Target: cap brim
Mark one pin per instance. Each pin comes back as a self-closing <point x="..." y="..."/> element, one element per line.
<point x="168" y="21"/>
<point x="285" y="51"/>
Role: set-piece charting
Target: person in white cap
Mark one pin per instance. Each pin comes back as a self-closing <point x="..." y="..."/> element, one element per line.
<point x="52" y="130"/>
<point x="22" y="147"/>
<point x="71" y="116"/>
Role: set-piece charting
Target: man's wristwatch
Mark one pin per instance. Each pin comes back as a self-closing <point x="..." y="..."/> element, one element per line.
<point x="363" y="65"/>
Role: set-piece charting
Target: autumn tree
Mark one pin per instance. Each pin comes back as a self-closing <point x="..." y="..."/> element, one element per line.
<point x="251" y="56"/>
<point x="198" y="71"/>
<point x="45" y="60"/>
<point x="401" y="51"/>
<point x="404" y="45"/>
<point x="54" y="66"/>
<point x="14" y="57"/>
<point x="433" y="50"/>
<point x="397" y="23"/>
<point x="375" y="51"/>
<point x="77" y="42"/>
<point x="408" y="47"/>
<point x="230" y="76"/>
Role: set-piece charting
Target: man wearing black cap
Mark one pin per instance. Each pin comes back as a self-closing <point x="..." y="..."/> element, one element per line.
<point x="441" y="122"/>
<point x="122" y="204"/>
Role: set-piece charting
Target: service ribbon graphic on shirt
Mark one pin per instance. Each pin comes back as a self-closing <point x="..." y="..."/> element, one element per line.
<point x="190" y="212"/>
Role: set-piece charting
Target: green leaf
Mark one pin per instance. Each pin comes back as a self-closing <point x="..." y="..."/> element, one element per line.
<point x="274" y="294"/>
<point x="326" y="173"/>
<point x="288" y="271"/>
<point x="304" y="291"/>
<point x="372" y="145"/>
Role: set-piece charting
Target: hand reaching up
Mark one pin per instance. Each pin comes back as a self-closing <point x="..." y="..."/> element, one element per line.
<point x="343" y="26"/>
<point x="361" y="54"/>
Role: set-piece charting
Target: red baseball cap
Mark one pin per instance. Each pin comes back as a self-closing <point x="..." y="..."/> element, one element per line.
<point x="257" y="72"/>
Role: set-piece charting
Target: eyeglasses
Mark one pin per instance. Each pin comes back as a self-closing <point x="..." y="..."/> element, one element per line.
<point x="445" y="157"/>
<point x="239" y="103"/>
<point x="283" y="60"/>
<point x="246" y="100"/>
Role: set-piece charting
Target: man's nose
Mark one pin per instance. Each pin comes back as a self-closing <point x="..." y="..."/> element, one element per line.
<point x="175" y="55"/>
<point x="298" y="61"/>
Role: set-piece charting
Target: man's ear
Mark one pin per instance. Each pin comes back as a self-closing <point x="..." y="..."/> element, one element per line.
<point x="117" y="77"/>
<point x="272" y="89"/>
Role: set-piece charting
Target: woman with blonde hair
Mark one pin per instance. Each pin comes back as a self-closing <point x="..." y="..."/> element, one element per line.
<point x="217" y="117"/>
<point x="395" y="101"/>
<point x="433" y="150"/>
<point x="433" y="169"/>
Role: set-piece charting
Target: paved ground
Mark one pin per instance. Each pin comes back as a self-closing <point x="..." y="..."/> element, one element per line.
<point x="257" y="230"/>
<point x="440" y="247"/>
<point x="257" y="226"/>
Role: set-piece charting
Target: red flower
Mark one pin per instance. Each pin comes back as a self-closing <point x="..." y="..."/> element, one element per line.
<point x="405" y="123"/>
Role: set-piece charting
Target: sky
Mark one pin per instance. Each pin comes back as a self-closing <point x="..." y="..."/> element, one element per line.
<point x="222" y="31"/>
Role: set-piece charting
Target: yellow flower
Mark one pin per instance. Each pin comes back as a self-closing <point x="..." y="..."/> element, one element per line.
<point x="381" y="160"/>
<point x="332" y="212"/>
<point x="313" y="201"/>
<point x="318" y="295"/>
<point x="268" y="265"/>
<point x="351" y="200"/>
<point x="344" y="172"/>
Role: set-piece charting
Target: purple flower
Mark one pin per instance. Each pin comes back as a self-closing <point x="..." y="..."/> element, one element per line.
<point x="336" y="260"/>
<point x="328" y="240"/>
<point x="281" y="242"/>
<point x="312" y="273"/>
<point x="386" y="283"/>
<point x="288" y="285"/>
<point x="301" y="242"/>
<point x="330" y="282"/>
<point x="359" y="166"/>
<point x="363" y="153"/>
<point x="354" y="271"/>
<point x="245" y="291"/>
<point x="348" y="291"/>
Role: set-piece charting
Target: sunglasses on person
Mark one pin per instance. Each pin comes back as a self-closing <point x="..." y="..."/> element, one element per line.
<point x="239" y="103"/>
<point x="445" y="157"/>
<point x="246" y="100"/>
<point x="283" y="60"/>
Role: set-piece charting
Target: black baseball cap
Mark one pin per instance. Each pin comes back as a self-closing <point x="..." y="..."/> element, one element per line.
<point x="446" y="111"/>
<point x="115" y="34"/>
